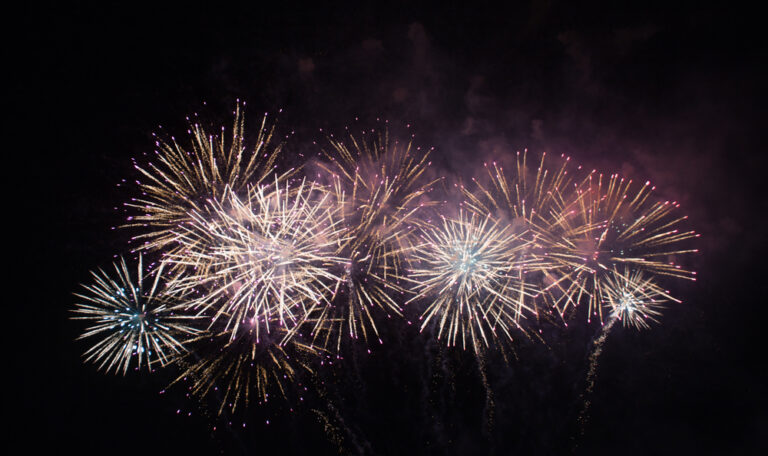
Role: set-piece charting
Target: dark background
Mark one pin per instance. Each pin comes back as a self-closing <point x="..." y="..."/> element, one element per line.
<point x="668" y="91"/>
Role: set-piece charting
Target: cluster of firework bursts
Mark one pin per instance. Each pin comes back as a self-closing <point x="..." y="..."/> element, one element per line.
<point x="260" y="270"/>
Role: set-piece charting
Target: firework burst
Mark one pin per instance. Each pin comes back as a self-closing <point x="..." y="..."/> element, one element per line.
<point x="537" y="194"/>
<point x="471" y="272"/>
<point x="185" y="177"/>
<point x="581" y="231"/>
<point x="271" y="256"/>
<point x="633" y="298"/>
<point x="377" y="184"/>
<point x="612" y="225"/>
<point x="133" y="322"/>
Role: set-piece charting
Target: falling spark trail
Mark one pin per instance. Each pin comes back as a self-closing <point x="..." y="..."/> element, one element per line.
<point x="594" y="356"/>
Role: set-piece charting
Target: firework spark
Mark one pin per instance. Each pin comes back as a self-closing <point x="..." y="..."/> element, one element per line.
<point x="377" y="184"/>
<point x="272" y="257"/>
<point x="133" y="321"/>
<point x="185" y="178"/>
<point x="471" y="272"/>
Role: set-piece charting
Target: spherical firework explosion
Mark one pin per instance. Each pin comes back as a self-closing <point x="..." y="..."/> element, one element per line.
<point x="582" y="230"/>
<point x="132" y="321"/>
<point x="271" y="259"/>
<point x="376" y="183"/>
<point x="470" y="272"/>
<point x="185" y="177"/>
<point x="541" y="200"/>
<point x="633" y="298"/>
<point x="612" y="225"/>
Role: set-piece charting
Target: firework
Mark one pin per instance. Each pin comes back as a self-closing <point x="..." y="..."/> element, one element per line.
<point x="132" y="321"/>
<point x="470" y="271"/>
<point x="527" y="195"/>
<point x="185" y="177"/>
<point x="279" y="269"/>
<point x="235" y="366"/>
<point x="271" y="258"/>
<point x="377" y="184"/>
<point x="582" y="230"/>
<point x="610" y="224"/>
<point x="540" y="199"/>
<point x="633" y="298"/>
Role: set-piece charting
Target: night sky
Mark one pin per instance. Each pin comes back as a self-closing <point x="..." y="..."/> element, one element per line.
<point x="666" y="91"/>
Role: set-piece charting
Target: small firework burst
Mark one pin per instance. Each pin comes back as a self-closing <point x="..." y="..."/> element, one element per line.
<point x="471" y="273"/>
<point x="633" y="298"/>
<point x="133" y="322"/>
<point x="185" y="177"/>
<point x="236" y="367"/>
<point x="271" y="258"/>
<point x="377" y="184"/>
